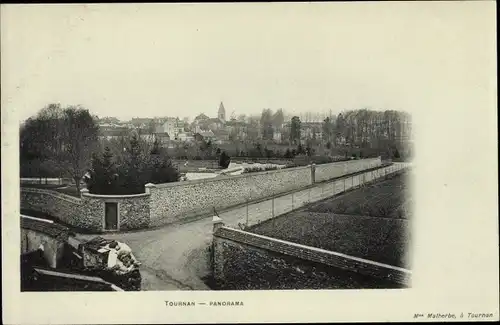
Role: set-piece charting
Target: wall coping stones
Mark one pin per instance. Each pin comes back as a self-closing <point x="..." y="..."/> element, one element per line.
<point x="53" y="230"/>
<point x="225" y="177"/>
<point x="113" y="196"/>
<point x="334" y="259"/>
<point x="59" y="195"/>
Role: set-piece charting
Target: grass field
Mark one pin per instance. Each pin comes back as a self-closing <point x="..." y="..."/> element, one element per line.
<point x="381" y="239"/>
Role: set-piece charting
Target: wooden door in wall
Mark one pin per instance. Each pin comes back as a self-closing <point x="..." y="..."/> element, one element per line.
<point x="111" y="216"/>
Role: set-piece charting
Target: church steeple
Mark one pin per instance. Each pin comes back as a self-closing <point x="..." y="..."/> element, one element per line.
<point x="222" y="112"/>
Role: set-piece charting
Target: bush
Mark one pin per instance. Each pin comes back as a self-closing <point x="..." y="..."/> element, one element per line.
<point x="224" y="160"/>
<point x="255" y="169"/>
<point x="138" y="168"/>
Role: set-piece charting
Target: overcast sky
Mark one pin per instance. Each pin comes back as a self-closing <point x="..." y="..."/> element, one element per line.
<point x="182" y="60"/>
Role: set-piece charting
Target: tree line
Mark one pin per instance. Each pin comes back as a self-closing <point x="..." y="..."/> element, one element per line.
<point x="63" y="142"/>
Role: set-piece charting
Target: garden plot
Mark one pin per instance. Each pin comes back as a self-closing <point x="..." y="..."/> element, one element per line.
<point x="383" y="199"/>
<point x="368" y="222"/>
<point x="382" y="240"/>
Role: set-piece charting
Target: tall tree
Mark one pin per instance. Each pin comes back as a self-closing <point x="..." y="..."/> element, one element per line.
<point x="62" y="138"/>
<point x="103" y="174"/>
<point x="266" y="123"/>
<point x="340" y="127"/>
<point x="278" y="119"/>
<point x="133" y="166"/>
<point x="328" y="131"/>
<point x="159" y="169"/>
<point x="80" y="140"/>
<point x="295" y="130"/>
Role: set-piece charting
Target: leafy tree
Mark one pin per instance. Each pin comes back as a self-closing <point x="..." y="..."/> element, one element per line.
<point x="328" y="131"/>
<point x="64" y="138"/>
<point x="266" y="122"/>
<point x="269" y="153"/>
<point x="340" y="126"/>
<point x="295" y="130"/>
<point x="309" y="151"/>
<point x="278" y="118"/>
<point x="396" y="154"/>
<point x="103" y="174"/>
<point x="159" y="170"/>
<point x="301" y="150"/>
<point x="132" y="168"/>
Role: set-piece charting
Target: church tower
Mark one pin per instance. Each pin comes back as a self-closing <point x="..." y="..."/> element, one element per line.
<point x="222" y="112"/>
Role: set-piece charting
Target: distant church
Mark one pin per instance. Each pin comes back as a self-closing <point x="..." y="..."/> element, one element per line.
<point x="222" y="112"/>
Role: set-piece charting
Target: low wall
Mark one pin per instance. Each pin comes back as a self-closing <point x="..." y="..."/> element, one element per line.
<point x="326" y="172"/>
<point x="133" y="210"/>
<point x="88" y="212"/>
<point x="174" y="201"/>
<point x="171" y="202"/>
<point x="66" y="208"/>
<point x="52" y="248"/>
<point x="243" y="261"/>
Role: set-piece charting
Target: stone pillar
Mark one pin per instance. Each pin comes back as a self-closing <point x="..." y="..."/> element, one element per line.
<point x="217" y="223"/>
<point x="313" y="173"/>
<point x="83" y="191"/>
<point x="148" y="187"/>
<point x="217" y="248"/>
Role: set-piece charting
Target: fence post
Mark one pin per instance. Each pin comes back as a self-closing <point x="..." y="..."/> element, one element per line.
<point x="272" y="212"/>
<point x="313" y="173"/>
<point x="248" y="200"/>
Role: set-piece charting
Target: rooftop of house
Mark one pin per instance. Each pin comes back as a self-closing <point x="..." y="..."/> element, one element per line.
<point x="51" y="229"/>
<point x="202" y="116"/>
<point x="221" y="132"/>
<point x="162" y="134"/>
<point x="114" y="132"/>
<point x="215" y="120"/>
<point x="235" y="123"/>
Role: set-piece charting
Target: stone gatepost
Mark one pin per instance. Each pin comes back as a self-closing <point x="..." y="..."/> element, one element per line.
<point x="148" y="187"/>
<point x="83" y="191"/>
<point x="217" y="223"/>
<point x="216" y="251"/>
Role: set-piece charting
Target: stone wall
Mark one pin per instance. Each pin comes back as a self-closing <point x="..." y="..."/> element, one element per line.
<point x="66" y="208"/>
<point x="326" y="172"/>
<point x="88" y="212"/>
<point x="166" y="203"/>
<point x="133" y="210"/>
<point x="256" y="213"/>
<point x="52" y="248"/>
<point x="243" y="260"/>
<point x="174" y="201"/>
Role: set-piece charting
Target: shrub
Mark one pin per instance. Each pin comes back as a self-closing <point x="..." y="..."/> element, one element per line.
<point x="224" y="160"/>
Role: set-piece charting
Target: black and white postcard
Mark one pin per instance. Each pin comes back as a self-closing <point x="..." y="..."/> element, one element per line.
<point x="249" y="162"/>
